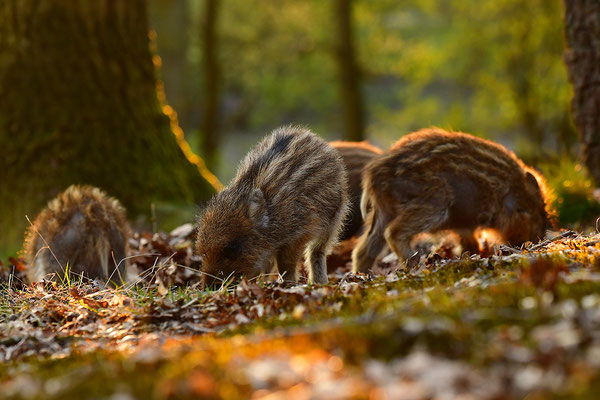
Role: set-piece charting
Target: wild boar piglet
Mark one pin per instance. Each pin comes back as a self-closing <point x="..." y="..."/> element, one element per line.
<point x="82" y="228"/>
<point x="287" y="197"/>
<point x="355" y="155"/>
<point x="434" y="180"/>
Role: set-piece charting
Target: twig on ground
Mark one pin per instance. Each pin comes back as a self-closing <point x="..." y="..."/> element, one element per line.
<point x="554" y="239"/>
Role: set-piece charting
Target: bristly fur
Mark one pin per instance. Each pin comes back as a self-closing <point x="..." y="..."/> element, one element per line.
<point x="288" y="196"/>
<point x="84" y="229"/>
<point x="356" y="155"/>
<point x="434" y="180"/>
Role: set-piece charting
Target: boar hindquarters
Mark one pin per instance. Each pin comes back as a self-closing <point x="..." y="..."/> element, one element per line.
<point x="288" y="196"/>
<point x="435" y="180"/>
<point x="356" y="155"/>
<point x="83" y="229"/>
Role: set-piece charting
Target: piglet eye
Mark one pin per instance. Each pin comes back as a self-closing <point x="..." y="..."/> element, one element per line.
<point x="233" y="249"/>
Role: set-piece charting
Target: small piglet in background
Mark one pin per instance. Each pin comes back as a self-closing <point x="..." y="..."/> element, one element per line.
<point x="288" y="197"/>
<point x="82" y="228"/>
<point x="355" y="155"/>
<point x="434" y="180"/>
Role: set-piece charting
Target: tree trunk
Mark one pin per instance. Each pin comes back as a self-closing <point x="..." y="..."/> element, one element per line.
<point x="350" y="93"/>
<point x="171" y="20"/>
<point x="582" y="26"/>
<point x="210" y="128"/>
<point x="79" y="104"/>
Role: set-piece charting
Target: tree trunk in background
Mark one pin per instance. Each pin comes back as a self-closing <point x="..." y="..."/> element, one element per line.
<point x="582" y="26"/>
<point x="350" y="78"/>
<point x="171" y="21"/>
<point x="79" y="104"/>
<point x="210" y="128"/>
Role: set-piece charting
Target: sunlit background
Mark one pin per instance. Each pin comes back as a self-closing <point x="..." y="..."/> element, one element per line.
<point x="492" y="68"/>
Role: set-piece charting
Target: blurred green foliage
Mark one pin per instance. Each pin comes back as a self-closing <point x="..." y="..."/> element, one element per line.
<point x="491" y="68"/>
<point x="494" y="69"/>
<point x="574" y="198"/>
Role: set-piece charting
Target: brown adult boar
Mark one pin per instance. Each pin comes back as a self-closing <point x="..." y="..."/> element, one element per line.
<point x="355" y="155"/>
<point x="435" y="180"/>
<point x="288" y="197"/>
<point x="82" y="228"/>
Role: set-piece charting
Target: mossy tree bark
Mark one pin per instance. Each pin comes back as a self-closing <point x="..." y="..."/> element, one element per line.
<point x="212" y="76"/>
<point x="349" y="73"/>
<point x="79" y="104"/>
<point x="582" y="27"/>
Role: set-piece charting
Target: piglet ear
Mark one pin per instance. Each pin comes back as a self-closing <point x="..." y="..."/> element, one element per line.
<point x="257" y="207"/>
<point x="532" y="181"/>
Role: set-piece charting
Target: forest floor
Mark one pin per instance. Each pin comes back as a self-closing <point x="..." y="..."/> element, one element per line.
<point x="519" y="323"/>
